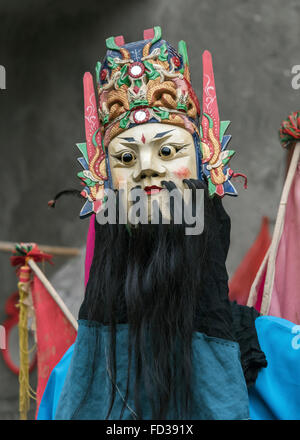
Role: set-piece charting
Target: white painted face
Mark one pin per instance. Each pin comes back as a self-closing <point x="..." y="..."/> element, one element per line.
<point x="146" y="154"/>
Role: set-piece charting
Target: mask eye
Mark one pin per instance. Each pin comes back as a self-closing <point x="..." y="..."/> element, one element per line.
<point x="167" y="151"/>
<point x="127" y="158"/>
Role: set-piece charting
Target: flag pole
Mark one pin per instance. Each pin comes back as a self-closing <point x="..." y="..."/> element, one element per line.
<point x="8" y="246"/>
<point x="270" y="275"/>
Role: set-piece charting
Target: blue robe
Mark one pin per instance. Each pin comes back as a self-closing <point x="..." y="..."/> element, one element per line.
<point x="78" y="386"/>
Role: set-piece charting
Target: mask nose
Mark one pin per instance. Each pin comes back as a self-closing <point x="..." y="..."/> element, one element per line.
<point x="149" y="168"/>
<point x="148" y="173"/>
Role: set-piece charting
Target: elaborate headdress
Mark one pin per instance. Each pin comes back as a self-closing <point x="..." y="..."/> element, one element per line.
<point x="149" y="81"/>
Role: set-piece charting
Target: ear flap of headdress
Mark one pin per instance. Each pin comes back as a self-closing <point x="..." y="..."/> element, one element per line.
<point x="93" y="161"/>
<point x="215" y="157"/>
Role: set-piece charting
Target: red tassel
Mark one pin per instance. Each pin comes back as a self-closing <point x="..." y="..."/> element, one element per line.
<point x="51" y="203"/>
<point x="243" y="176"/>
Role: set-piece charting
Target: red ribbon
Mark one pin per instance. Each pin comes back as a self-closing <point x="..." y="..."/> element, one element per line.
<point x="35" y="253"/>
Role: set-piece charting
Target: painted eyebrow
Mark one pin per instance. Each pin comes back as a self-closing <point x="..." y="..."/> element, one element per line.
<point x="162" y="133"/>
<point x="157" y="136"/>
<point x="129" y="139"/>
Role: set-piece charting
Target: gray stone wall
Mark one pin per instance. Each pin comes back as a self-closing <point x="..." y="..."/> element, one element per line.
<point x="47" y="46"/>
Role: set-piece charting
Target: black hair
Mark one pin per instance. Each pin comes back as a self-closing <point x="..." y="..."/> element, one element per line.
<point x="165" y="285"/>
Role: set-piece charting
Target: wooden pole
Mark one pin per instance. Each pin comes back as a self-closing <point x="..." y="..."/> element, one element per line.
<point x="8" y="246"/>
<point x="269" y="282"/>
<point x="53" y="293"/>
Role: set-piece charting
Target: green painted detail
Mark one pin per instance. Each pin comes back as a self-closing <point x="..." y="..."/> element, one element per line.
<point x="110" y="44"/>
<point x="181" y="106"/>
<point x="23" y="249"/>
<point x="227" y="159"/>
<point x="163" y="114"/>
<point x="182" y="50"/>
<point x="157" y="34"/>
<point x="223" y="127"/>
<point x="111" y="63"/>
<point x="163" y="53"/>
<point x="89" y="182"/>
<point x="105" y="119"/>
<point x="97" y="69"/>
<point x="138" y="82"/>
<point x="150" y="71"/>
<point x="201" y="131"/>
<point x="138" y="103"/>
<point x="94" y="138"/>
<point x="211" y="187"/>
<point x="83" y="150"/>
<point x="211" y="124"/>
<point x="124" y="78"/>
<point x="124" y="121"/>
<point x="201" y="149"/>
<point x="105" y="198"/>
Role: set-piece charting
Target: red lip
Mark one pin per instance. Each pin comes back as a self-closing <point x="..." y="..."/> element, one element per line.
<point x="152" y="189"/>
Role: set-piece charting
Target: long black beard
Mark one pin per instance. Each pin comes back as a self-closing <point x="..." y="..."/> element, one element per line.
<point x="165" y="285"/>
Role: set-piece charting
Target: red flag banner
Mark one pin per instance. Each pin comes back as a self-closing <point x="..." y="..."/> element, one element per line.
<point x="55" y="334"/>
<point x="241" y="282"/>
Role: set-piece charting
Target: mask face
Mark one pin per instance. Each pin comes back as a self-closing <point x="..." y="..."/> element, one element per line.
<point x="146" y="154"/>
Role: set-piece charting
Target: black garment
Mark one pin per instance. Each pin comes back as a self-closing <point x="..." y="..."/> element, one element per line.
<point x="252" y="357"/>
<point x="215" y="315"/>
